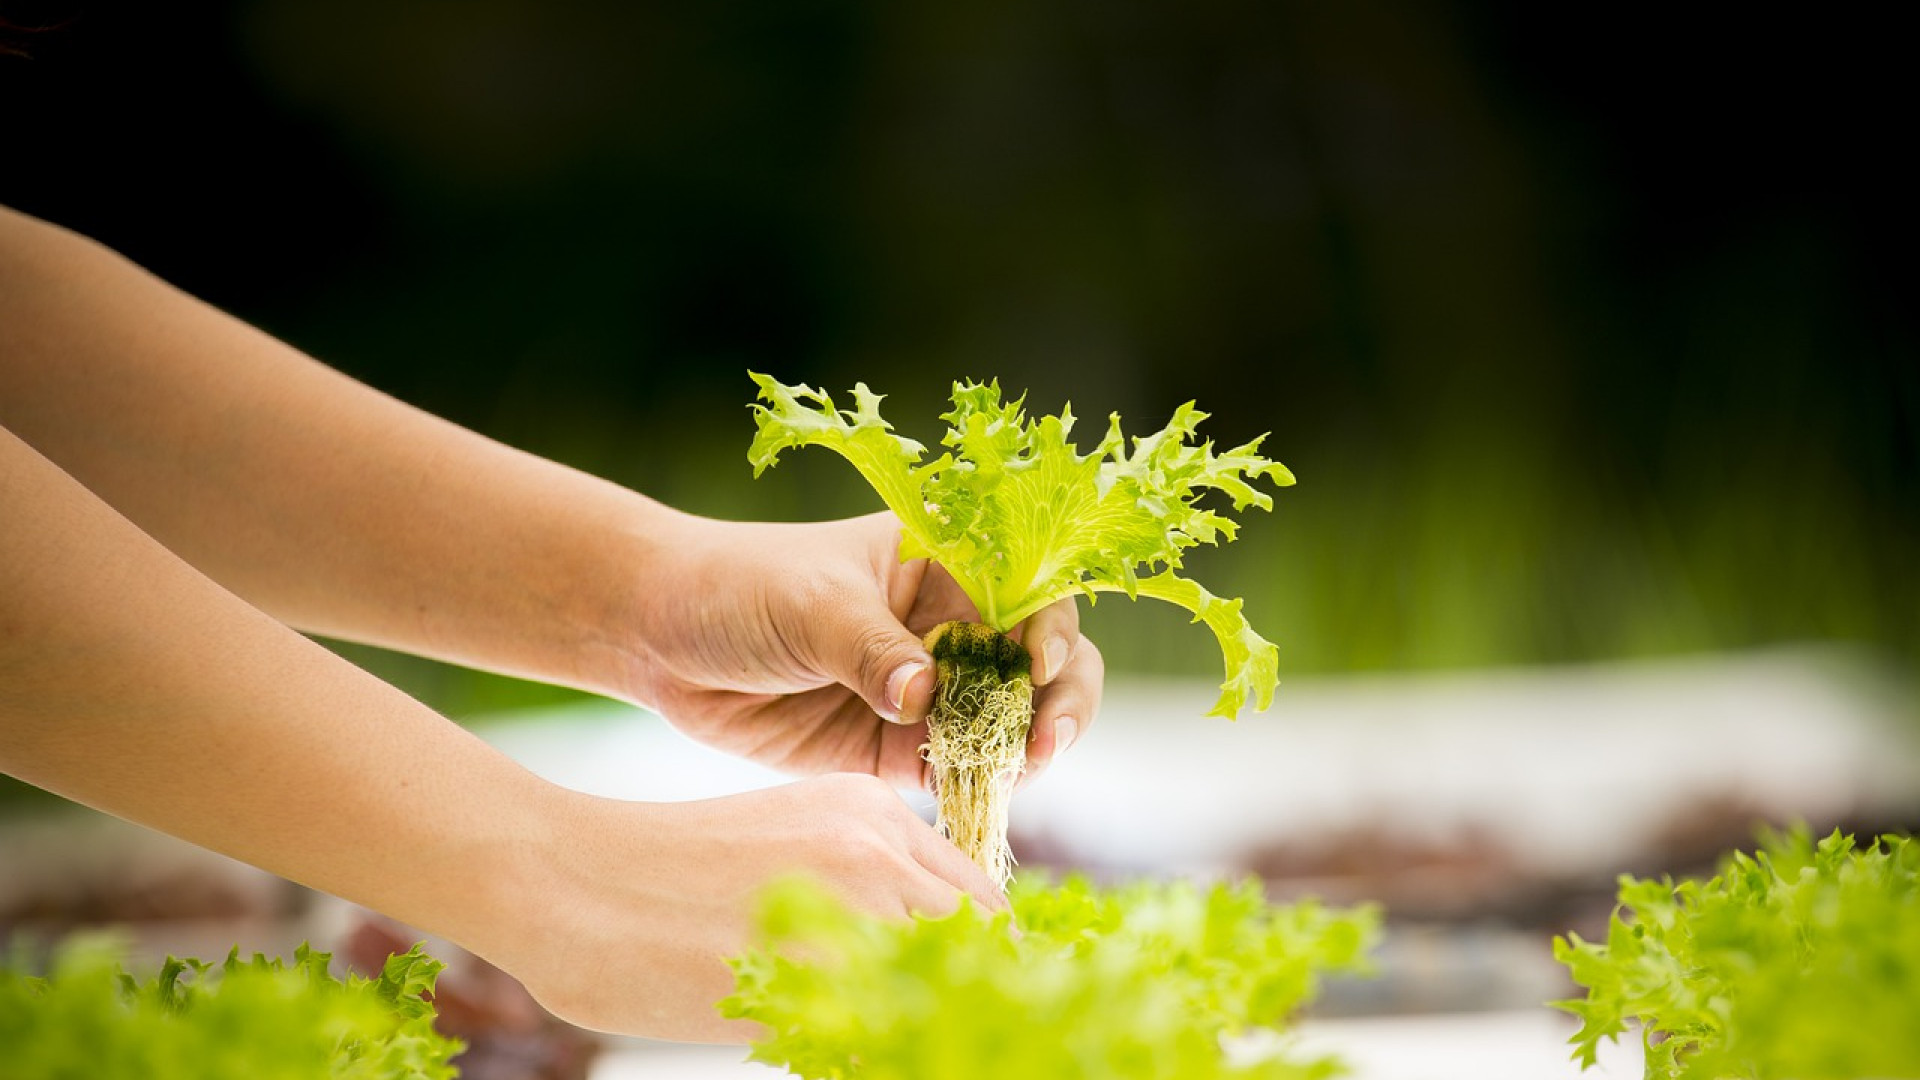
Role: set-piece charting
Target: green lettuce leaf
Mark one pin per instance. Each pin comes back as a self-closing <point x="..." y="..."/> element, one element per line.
<point x="241" y="1020"/>
<point x="1800" y="961"/>
<point x="1139" y="982"/>
<point x="1020" y="518"/>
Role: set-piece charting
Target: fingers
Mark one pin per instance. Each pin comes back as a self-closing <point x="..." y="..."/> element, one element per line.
<point x="1052" y="634"/>
<point x="900" y="762"/>
<point x="945" y="872"/>
<point x="859" y="643"/>
<point x="952" y="870"/>
<point x="1065" y="708"/>
<point x="905" y="860"/>
<point x="665" y="890"/>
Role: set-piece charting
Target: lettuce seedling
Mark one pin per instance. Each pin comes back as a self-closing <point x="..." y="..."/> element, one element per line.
<point x="1140" y="982"/>
<point x="241" y="1020"/>
<point x="1798" y="962"/>
<point x="1020" y="519"/>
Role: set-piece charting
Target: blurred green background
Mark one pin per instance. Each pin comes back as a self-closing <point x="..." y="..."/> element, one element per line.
<point x="1590" y="333"/>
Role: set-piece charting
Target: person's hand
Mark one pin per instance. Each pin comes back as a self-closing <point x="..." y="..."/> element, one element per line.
<point x="798" y="646"/>
<point x="627" y="923"/>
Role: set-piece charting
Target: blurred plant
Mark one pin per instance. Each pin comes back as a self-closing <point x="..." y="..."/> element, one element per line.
<point x="1798" y="962"/>
<point x="1144" y="981"/>
<point x="240" y="1020"/>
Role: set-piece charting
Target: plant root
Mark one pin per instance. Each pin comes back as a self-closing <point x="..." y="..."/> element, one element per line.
<point x="977" y="737"/>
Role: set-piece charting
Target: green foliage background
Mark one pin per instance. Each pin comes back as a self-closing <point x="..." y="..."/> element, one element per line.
<point x="1585" y="333"/>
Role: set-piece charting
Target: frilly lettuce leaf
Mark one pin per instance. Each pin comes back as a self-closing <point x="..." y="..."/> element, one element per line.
<point x="241" y="1020"/>
<point x="1139" y="981"/>
<point x="1800" y="960"/>
<point x="1020" y="518"/>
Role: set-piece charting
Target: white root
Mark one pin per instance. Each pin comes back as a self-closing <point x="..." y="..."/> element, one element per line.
<point x="977" y="739"/>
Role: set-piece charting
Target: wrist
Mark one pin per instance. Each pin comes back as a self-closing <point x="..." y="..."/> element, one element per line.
<point x="509" y="900"/>
<point x="652" y="582"/>
<point x="599" y="572"/>
<point x="599" y="926"/>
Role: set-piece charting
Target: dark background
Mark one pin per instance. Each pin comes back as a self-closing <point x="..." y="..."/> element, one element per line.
<point x="1589" y="334"/>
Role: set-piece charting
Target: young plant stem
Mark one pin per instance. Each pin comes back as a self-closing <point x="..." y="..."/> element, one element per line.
<point x="977" y="737"/>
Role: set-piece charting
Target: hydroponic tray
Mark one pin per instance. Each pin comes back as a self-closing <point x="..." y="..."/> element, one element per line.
<point x="1519" y="1045"/>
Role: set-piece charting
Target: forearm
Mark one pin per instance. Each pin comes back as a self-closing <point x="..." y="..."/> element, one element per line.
<point x="130" y="682"/>
<point x="325" y="503"/>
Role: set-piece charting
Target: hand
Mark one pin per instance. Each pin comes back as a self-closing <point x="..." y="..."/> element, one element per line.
<point x="798" y="646"/>
<point x="627" y="926"/>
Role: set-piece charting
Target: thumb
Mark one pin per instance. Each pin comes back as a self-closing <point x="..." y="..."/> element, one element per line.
<point x="862" y="646"/>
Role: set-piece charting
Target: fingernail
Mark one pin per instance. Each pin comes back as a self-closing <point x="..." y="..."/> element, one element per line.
<point x="1054" y="652"/>
<point x="1065" y="730"/>
<point x="897" y="684"/>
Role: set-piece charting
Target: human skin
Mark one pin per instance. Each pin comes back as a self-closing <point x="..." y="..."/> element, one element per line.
<point x="181" y="494"/>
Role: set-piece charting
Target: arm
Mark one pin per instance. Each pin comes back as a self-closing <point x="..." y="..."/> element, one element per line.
<point x="247" y="459"/>
<point x="157" y="688"/>
<point x="339" y="510"/>
<point x="131" y="682"/>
